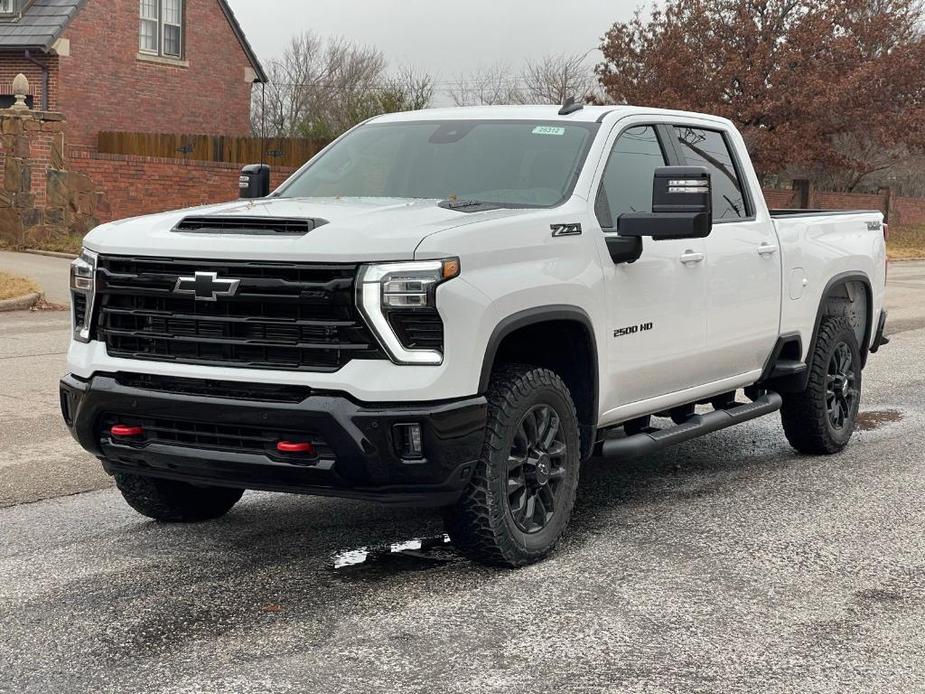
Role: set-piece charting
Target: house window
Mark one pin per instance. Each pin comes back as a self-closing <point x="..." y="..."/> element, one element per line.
<point x="161" y="28"/>
<point x="10" y="6"/>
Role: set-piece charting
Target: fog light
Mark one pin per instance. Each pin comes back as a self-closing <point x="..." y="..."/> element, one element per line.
<point x="408" y="441"/>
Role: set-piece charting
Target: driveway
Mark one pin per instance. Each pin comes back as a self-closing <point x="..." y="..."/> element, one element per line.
<point x="50" y="273"/>
<point x="727" y="564"/>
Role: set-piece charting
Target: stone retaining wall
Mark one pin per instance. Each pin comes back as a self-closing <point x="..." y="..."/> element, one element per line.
<point x="41" y="197"/>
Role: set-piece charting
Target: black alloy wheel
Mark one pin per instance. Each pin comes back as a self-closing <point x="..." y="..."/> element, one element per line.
<point x="536" y="469"/>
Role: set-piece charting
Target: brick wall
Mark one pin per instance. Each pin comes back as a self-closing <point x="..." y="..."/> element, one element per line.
<point x="105" y="85"/>
<point x="134" y="185"/>
<point x="907" y="211"/>
<point x="902" y="210"/>
<point x="780" y="199"/>
<point x="11" y="64"/>
<point x="848" y="201"/>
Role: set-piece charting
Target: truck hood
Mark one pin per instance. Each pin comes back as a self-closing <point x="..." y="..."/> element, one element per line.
<point x="357" y="229"/>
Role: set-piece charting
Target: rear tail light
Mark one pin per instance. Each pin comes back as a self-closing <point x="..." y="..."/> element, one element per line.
<point x="886" y="239"/>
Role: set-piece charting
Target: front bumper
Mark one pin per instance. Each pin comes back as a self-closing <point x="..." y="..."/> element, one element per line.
<point x="364" y="464"/>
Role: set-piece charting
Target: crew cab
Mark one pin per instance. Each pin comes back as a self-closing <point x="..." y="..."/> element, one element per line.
<point x="454" y="308"/>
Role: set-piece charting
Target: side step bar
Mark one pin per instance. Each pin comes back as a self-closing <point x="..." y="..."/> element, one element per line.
<point x="698" y="425"/>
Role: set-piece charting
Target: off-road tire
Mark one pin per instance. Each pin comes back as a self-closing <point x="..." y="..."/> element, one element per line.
<point x="175" y="502"/>
<point x="806" y="415"/>
<point x="482" y="523"/>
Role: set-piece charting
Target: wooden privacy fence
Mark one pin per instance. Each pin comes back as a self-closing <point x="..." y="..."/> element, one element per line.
<point x="288" y="152"/>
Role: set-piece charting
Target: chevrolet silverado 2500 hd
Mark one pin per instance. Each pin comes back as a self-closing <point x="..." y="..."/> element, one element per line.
<point x="456" y="307"/>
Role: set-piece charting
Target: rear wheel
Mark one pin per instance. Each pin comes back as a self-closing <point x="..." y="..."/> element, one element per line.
<point x="175" y="502"/>
<point x="820" y="420"/>
<point x="521" y="494"/>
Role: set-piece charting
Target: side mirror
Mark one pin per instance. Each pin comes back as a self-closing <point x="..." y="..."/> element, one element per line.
<point x="682" y="206"/>
<point x="254" y="181"/>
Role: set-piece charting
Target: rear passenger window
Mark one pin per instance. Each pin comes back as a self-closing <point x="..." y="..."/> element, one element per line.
<point x="709" y="148"/>
<point x="627" y="184"/>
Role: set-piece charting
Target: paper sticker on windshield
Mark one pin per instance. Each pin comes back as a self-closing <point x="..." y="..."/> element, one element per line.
<point x="548" y="130"/>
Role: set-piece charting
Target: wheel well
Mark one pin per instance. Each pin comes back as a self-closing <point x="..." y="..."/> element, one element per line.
<point x="565" y="346"/>
<point x="850" y="298"/>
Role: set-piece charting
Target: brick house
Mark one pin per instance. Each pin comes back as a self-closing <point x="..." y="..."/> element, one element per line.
<point x="130" y="65"/>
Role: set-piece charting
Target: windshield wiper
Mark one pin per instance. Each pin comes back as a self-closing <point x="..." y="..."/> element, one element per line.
<point x="468" y="205"/>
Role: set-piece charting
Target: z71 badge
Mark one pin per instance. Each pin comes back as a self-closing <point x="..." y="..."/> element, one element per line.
<point x="565" y="229"/>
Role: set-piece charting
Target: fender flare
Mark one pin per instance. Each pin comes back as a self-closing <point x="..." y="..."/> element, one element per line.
<point x="531" y="316"/>
<point x="542" y="314"/>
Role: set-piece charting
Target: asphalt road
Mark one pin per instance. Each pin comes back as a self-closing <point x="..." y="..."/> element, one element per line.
<point x="728" y="564"/>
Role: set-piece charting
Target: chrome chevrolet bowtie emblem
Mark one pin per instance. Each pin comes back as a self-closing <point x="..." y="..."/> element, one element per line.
<point x="206" y="286"/>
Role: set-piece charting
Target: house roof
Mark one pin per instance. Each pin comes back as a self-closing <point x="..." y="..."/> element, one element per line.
<point x="39" y="25"/>
<point x="43" y="21"/>
<point x="242" y="39"/>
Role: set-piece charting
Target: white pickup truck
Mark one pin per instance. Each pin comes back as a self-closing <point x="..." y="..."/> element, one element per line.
<point x="454" y="308"/>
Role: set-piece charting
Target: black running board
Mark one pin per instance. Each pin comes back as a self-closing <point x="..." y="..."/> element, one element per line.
<point x="698" y="425"/>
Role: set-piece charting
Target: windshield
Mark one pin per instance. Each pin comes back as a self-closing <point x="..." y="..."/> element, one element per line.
<point x="509" y="163"/>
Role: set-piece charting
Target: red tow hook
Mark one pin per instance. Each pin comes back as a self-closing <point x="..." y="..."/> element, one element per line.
<point x="126" y="431"/>
<point x="295" y="447"/>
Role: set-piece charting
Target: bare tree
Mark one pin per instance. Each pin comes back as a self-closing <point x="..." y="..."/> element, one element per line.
<point x="321" y="88"/>
<point x="548" y="80"/>
<point x="496" y="84"/>
<point x="553" y="78"/>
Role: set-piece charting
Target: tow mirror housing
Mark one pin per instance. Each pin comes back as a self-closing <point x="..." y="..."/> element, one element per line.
<point x="682" y="206"/>
<point x="254" y="181"/>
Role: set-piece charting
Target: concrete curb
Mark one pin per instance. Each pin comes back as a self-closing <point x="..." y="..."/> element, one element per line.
<point x="20" y="303"/>
<point x="50" y="254"/>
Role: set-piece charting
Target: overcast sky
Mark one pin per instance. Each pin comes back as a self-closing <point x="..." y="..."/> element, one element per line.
<point x="440" y="37"/>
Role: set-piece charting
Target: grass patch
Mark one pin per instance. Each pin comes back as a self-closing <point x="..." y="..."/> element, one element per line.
<point x="12" y="286"/>
<point x="906" y="242"/>
<point x="60" y="244"/>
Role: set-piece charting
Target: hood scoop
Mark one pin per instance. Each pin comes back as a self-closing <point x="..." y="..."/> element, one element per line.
<point x="255" y="226"/>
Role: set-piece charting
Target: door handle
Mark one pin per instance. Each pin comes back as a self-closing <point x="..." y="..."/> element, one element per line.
<point x="690" y="257"/>
<point x="766" y="249"/>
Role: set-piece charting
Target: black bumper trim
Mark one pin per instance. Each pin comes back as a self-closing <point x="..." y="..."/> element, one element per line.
<point x="880" y="339"/>
<point x="366" y="465"/>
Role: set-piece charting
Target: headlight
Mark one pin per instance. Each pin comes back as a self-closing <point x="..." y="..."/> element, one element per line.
<point x="83" y="289"/>
<point x="399" y="302"/>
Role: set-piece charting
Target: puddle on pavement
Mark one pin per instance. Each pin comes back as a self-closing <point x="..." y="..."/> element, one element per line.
<point x="418" y="554"/>
<point x="874" y="419"/>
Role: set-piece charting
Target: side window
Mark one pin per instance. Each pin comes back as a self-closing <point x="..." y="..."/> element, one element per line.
<point x="709" y="148"/>
<point x="627" y="184"/>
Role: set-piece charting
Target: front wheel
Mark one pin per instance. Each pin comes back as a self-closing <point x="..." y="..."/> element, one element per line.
<point x="821" y="419"/>
<point x="175" y="502"/>
<point x="522" y="491"/>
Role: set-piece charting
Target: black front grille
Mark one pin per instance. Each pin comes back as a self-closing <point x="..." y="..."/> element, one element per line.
<point x="216" y="437"/>
<point x="282" y="316"/>
<point x="418" y="329"/>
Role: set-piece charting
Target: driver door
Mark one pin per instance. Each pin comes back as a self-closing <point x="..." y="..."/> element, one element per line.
<point x="656" y="305"/>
